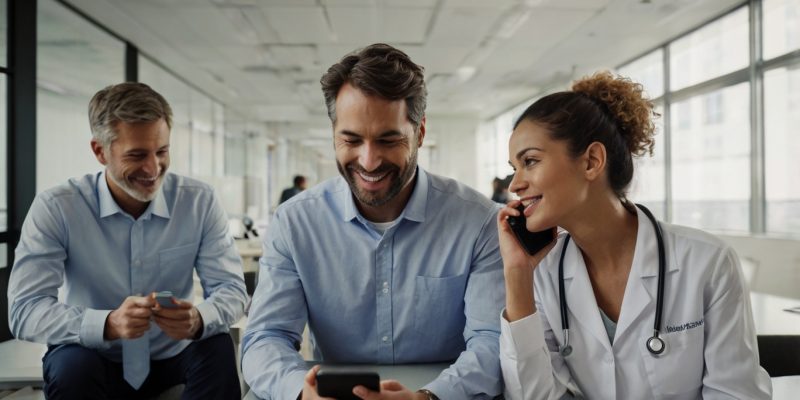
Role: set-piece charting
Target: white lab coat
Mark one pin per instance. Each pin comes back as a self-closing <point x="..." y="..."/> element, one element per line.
<point x="707" y="325"/>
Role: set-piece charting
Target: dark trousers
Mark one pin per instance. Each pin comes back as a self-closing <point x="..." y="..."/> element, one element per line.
<point x="206" y="367"/>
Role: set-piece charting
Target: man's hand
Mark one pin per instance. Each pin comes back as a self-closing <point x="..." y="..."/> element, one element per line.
<point x="390" y="390"/>
<point x="131" y="320"/>
<point x="181" y="322"/>
<point x="310" y="386"/>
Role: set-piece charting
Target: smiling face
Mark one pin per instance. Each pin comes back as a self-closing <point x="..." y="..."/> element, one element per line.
<point x="136" y="162"/>
<point x="376" y="151"/>
<point x="549" y="181"/>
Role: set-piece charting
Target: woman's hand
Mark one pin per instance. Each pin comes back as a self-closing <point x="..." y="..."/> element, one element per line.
<point x="518" y="266"/>
<point x="514" y="255"/>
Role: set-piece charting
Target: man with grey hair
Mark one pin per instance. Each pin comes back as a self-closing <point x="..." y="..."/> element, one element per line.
<point x="123" y="243"/>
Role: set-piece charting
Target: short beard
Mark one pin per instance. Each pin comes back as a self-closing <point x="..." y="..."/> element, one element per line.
<point x="396" y="187"/>
<point x="131" y="191"/>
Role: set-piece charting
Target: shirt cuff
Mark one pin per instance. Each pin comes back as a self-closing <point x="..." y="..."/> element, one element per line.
<point x="442" y="389"/>
<point x="93" y="327"/>
<point x="293" y="384"/>
<point x="212" y="323"/>
<point x="525" y="336"/>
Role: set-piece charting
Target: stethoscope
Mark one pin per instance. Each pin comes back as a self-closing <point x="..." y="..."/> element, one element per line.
<point x="655" y="345"/>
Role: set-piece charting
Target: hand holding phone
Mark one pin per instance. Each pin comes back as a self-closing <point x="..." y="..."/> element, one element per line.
<point x="164" y="299"/>
<point x="532" y="242"/>
<point x="339" y="384"/>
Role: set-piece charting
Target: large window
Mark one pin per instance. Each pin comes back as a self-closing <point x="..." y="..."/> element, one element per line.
<point x="649" y="176"/>
<point x="648" y="184"/>
<point x="649" y="71"/>
<point x="75" y="60"/>
<point x="781" y="27"/>
<point x="711" y="161"/>
<point x="782" y="147"/>
<point x="710" y="176"/>
<point x="714" y="50"/>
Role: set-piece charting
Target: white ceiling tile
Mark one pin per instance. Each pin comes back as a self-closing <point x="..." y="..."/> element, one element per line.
<point x="409" y="3"/>
<point x="404" y="25"/>
<point x="480" y="3"/>
<point x="355" y="25"/>
<point x="299" y="25"/>
<point x="463" y="25"/>
<point x="365" y="25"/>
<point x="281" y="3"/>
<point x="438" y="59"/>
<point x="273" y="52"/>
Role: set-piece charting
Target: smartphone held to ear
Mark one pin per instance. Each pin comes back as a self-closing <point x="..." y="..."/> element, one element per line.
<point x="532" y="242"/>
<point x="339" y="384"/>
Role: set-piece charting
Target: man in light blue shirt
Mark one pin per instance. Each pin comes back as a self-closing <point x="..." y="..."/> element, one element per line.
<point x="110" y="240"/>
<point x="387" y="263"/>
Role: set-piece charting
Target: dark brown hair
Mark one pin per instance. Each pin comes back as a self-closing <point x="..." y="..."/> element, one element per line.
<point x="600" y="108"/>
<point x="380" y="70"/>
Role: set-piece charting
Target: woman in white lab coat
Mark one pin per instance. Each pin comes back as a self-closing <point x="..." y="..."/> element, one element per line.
<point x="572" y="154"/>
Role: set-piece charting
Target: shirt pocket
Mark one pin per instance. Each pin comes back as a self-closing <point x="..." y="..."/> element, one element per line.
<point x="439" y="310"/>
<point x="678" y="372"/>
<point x="177" y="264"/>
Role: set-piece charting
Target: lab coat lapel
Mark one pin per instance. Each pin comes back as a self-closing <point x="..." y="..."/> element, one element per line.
<point x="580" y="297"/>
<point x="642" y="287"/>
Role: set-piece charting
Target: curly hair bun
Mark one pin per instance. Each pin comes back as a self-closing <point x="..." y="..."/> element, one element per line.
<point x="627" y="104"/>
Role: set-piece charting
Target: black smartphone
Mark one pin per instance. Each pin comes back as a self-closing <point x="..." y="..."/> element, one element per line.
<point x="532" y="242"/>
<point x="340" y="384"/>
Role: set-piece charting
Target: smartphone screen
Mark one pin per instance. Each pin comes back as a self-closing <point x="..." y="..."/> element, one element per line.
<point x="532" y="242"/>
<point x="340" y="384"/>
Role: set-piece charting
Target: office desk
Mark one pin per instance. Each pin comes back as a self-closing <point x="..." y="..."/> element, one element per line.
<point x="412" y="376"/>
<point x="21" y="365"/>
<point x="769" y="315"/>
<point x="785" y="387"/>
<point x="250" y="251"/>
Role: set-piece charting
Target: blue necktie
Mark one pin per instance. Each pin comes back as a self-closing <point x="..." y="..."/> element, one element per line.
<point x="136" y="360"/>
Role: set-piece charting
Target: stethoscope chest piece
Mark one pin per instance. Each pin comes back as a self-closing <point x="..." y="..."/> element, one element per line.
<point x="656" y="345"/>
<point x="565" y="350"/>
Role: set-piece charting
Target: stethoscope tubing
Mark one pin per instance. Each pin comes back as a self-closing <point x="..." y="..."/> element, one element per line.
<point x="655" y="345"/>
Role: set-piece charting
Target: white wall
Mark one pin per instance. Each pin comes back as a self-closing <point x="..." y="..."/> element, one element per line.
<point x="454" y="149"/>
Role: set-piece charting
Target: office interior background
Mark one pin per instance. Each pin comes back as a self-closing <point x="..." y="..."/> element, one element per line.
<point x="242" y="77"/>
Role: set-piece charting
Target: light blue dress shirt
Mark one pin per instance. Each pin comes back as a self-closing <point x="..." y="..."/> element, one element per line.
<point x="429" y="289"/>
<point x="76" y="235"/>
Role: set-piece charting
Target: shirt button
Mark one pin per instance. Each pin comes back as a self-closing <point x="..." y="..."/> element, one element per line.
<point x="137" y="263"/>
<point x="385" y="284"/>
<point x="385" y="290"/>
<point x="385" y="338"/>
<point x="609" y="359"/>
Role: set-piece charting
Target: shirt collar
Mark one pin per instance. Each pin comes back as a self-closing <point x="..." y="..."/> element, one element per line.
<point x="109" y="206"/>
<point x="414" y="209"/>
